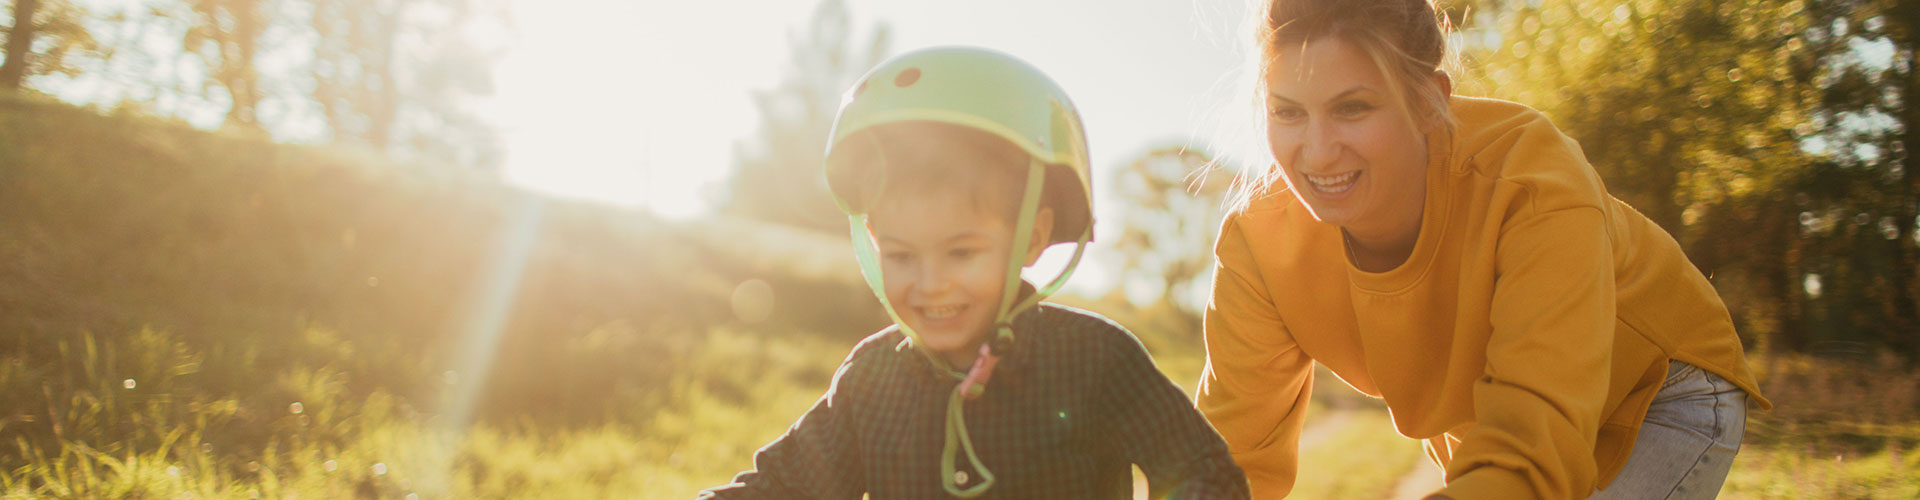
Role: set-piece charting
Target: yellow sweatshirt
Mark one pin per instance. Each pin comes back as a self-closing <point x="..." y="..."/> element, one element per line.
<point x="1523" y="339"/>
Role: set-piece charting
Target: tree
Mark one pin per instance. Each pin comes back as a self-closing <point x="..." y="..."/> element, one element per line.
<point x="1170" y="214"/>
<point x="1766" y="136"/>
<point x="19" y="42"/>
<point x="777" y="176"/>
<point x="1860" y="203"/>
<point x="226" y="36"/>
<point x="44" y="35"/>
<point x="396" y="76"/>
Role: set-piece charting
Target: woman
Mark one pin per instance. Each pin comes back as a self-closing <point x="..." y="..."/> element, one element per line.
<point x="1458" y="258"/>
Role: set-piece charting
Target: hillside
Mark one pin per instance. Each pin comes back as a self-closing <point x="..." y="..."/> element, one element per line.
<point x="157" y="281"/>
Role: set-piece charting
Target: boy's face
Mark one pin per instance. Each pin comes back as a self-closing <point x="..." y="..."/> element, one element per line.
<point x="943" y="263"/>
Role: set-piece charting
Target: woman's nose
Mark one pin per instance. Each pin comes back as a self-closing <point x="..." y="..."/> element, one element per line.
<point x="1319" y="148"/>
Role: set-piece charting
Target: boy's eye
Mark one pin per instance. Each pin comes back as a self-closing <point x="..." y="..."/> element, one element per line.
<point x="961" y="253"/>
<point x="1352" y="108"/>
<point x="897" y="257"/>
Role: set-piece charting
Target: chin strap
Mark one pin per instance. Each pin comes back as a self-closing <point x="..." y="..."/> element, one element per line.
<point x="973" y="383"/>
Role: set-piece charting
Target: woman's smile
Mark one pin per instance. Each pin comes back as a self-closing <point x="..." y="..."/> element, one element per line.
<point x="1333" y="186"/>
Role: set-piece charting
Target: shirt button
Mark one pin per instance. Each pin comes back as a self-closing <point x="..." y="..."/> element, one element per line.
<point x="959" y="477"/>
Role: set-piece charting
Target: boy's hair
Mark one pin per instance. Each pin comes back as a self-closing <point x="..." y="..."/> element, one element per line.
<point x="916" y="159"/>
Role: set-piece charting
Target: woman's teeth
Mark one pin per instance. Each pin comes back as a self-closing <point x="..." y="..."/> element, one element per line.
<point x="1334" y="184"/>
<point x="942" y="312"/>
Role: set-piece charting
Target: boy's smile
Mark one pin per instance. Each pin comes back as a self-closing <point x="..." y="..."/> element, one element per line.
<point x="943" y="262"/>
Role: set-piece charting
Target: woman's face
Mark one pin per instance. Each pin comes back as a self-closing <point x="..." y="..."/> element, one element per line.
<point x="1342" y="140"/>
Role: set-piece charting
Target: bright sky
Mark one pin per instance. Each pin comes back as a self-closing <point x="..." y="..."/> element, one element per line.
<point x="649" y="116"/>
<point x="640" y="103"/>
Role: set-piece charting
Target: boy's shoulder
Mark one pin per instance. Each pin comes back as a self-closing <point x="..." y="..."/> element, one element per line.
<point x="880" y="344"/>
<point x="870" y="360"/>
<point x="1051" y="330"/>
<point x="1074" y="327"/>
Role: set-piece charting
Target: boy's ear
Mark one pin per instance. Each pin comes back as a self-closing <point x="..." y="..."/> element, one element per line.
<point x="1042" y="234"/>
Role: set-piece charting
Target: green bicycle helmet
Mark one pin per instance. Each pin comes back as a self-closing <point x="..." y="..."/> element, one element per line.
<point x="983" y="91"/>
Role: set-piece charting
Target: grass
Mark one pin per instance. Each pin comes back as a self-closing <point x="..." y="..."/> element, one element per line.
<point x="713" y="420"/>
<point x="1789" y="472"/>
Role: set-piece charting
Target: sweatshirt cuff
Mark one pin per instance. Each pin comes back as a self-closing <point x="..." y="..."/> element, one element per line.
<point x="1488" y="482"/>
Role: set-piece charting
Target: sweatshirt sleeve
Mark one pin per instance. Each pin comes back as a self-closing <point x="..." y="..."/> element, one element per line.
<point x="817" y="458"/>
<point x="1538" y="404"/>
<point x="1257" y="381"/>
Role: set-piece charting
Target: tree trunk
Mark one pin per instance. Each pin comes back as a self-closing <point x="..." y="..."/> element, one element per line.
<point x="19" y="44"/>
<point x="244" y="86"/>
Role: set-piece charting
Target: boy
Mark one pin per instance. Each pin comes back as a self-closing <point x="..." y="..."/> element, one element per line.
<point x="962" y="165"/>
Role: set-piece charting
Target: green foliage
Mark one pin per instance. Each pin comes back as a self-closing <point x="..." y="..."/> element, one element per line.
<point x="397" y="78"/>
<point x="1759" y="133"/>
<point x="1172" y="205"/>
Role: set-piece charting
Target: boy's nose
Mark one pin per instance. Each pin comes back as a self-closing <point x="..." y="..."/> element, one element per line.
<point x="931" y="279"/>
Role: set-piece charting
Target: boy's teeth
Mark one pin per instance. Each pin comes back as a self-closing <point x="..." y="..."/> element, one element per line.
<point x="942" y="312"/>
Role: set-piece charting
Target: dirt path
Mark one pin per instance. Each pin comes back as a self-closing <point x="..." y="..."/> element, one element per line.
<point x="1319" y="428"/>
<point x="1422" y="479"/>
<point x="1322" y="427"/>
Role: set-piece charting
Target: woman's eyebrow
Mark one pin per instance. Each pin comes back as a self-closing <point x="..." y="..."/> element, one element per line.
<point x="1343" y="94"/>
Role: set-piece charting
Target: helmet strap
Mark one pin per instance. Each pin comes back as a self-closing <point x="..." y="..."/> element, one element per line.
<point x="865" y="253"/>
<point x="1017" y="256"/>
<point x="1023" y="234"/>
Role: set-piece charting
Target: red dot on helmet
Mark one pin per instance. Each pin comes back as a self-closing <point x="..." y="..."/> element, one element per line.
<point x="907" y="77"/>
<point x="860" y="89"/>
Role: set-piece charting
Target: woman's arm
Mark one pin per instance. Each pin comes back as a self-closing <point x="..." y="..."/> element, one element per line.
<point x="1538" y="404"/>
<point x="1257" y="381"/>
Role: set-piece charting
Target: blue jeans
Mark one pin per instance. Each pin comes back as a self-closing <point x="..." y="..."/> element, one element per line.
<point x="1687" y="444"/>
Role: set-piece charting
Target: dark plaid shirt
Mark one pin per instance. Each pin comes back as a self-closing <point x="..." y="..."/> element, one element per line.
<point x="1066" y="412"/>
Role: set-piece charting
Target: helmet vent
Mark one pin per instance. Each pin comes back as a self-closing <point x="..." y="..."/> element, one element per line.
<point x="907" y="77"/>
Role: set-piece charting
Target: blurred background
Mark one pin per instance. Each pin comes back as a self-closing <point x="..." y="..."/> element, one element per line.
<point x="572" y="248"/>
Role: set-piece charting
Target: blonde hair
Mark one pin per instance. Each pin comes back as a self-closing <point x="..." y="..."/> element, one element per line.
<point x="1406" y="39"/>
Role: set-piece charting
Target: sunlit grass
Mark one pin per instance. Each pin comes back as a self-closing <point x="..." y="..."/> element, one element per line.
<point x="1784" y="472"/>
<point x="744" y="392"/>
<point x="1364" y="458"/>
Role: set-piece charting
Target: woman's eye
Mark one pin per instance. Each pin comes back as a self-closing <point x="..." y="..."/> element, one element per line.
<point x="1289" y="114"/>
<point x="1352" y="109"/>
